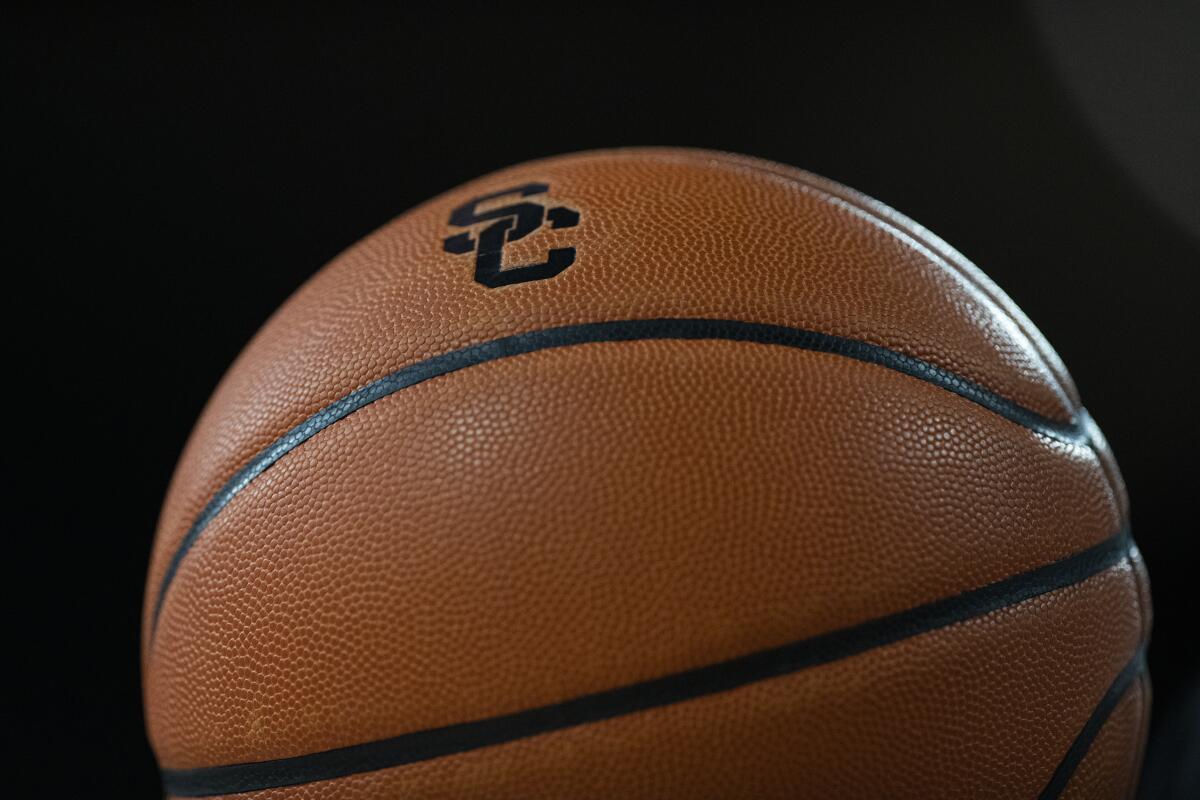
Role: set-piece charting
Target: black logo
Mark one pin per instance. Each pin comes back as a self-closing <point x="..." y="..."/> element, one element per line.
<point x="512" y="222"/>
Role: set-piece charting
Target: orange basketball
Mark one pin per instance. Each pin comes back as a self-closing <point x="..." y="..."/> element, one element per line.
<point x="647" y="474"/>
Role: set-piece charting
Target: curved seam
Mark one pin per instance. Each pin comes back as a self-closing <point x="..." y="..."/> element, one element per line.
<point x="935" y="245"/>
<point x="1131" y="778"/>
<point x="655" y="693"/>
<point x="1135" y="774"/>
<point x="687" y="328"/>
<point x="1105" y="460"/>
<point x="869" y="208"/>
<point x="1091" y="728"/>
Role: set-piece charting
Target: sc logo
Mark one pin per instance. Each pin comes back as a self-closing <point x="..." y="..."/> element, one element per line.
<point x="512" y="222"/>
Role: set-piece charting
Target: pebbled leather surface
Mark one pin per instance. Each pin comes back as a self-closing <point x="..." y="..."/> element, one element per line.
<point x="663" y="233"/>
<point x="469" y="569"/>
<point x="971" y="711"/>
<point x="1112" y="763"/>
<point x="535" y="528"/>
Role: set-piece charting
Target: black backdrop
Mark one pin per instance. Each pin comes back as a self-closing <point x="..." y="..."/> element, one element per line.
<point x="176" y="177"/>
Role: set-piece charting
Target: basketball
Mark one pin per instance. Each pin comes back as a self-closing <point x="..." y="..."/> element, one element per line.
<point x="647" y="473"/>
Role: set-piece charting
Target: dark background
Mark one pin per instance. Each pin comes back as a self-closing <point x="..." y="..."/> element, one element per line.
<point x="175" y="177"/>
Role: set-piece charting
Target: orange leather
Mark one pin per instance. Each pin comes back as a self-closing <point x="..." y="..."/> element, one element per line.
<point x="1113" y="761"/>
<point x="562" y="522"/>
<point x="967" y="712"/>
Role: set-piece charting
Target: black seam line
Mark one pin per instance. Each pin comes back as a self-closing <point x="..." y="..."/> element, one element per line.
<point x="609" y="331"/>
<point x="668" y="690"/>
<point x="1079" y="748"/>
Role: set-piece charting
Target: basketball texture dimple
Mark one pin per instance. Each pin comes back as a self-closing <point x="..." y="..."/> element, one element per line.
<point x="647" y="473"/>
